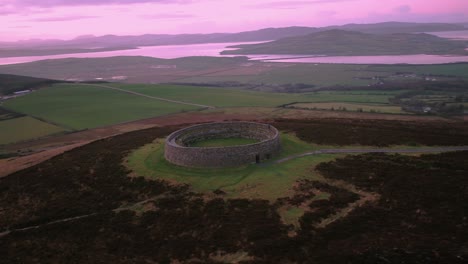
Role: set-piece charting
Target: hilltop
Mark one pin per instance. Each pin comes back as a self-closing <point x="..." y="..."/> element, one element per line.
<point x="338" y="42"/>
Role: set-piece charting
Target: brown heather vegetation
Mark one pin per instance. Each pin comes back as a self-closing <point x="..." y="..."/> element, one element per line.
<point x="377" y="132"/>
<point x="419" y="218"/>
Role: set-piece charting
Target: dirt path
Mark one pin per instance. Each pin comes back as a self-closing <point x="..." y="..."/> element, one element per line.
<point x="69" y="219"/>
<point x="376" y="150"/>
<point x="11" y="165"/>
<point x="5" y="233"/>
<point x="365" y="198"/>
<point x="147" y="96"/>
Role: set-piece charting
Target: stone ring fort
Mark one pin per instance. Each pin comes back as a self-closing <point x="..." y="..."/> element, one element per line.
<point x="178" y="149"/>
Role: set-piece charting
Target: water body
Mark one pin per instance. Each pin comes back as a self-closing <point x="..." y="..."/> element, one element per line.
<point x="461" y="35"/>
<point x="394" y="59"/>
<point x="214" y="49"/>
<point x="163" y="52"/>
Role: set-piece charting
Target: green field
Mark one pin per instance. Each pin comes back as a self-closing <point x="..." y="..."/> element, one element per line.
<point x="320" y="75"/>
<point x="76" y="107"/>
<point x="452" y="69"/>
<point x="24" y="128"/>
<point x="223" y="142"/>
<point x="222" y="97"/>
<point x="80" y="107"/>
<point x="323" y="75"/>
<point x="350" y="107"/>
<point x="216" y="70"/>
<point x="209" y="96"/>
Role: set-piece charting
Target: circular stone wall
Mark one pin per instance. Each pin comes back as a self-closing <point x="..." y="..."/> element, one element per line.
<point x="178" y="150"/>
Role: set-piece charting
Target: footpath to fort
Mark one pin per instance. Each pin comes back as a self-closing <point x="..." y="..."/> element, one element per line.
<point x="375" y="150"/>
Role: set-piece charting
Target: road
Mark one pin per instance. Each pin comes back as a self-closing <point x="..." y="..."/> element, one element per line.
<point x="375" y="150"/>
<point x="147" y="96"/>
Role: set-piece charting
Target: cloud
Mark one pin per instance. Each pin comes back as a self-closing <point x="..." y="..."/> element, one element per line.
<point x="417" y="17"/>
<point x="295" y="4"/>
<point x="54" y="3"/>
<point x="328" y="13"/>
<point x="284" y="4"/>
<point x="7" y="10"/>
<point x="20" y="27"/>
<point x="63" y="18"/>
<point x="12" y="7"/>
<point x="327" y="1"/>
<point x="403" y="9"/>
<point x="168" y="16"/>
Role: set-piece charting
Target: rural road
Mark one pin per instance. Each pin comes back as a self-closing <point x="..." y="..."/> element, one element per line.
<point x="378" y="150"/>
<point x="147" y="96"/>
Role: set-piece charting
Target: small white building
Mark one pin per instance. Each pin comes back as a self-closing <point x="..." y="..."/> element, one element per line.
<point x="22" y="92"/>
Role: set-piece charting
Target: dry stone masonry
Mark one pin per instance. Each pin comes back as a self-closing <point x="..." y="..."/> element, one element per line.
<point x="178" y="148"/>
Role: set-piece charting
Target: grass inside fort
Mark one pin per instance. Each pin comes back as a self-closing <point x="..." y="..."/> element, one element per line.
<point x="262" y="181"/>
<point x="223" y="142"/>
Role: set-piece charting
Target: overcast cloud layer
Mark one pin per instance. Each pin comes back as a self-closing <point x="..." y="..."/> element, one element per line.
<point x="23" y="19"/>
<point x="54" y="3"/>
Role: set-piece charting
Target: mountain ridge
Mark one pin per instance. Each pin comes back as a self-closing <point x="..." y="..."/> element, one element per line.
<point x="337" y="42"/>
<point x="115" y="42"/>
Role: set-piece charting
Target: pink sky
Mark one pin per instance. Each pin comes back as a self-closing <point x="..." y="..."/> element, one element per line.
<point x="25" y="19"/>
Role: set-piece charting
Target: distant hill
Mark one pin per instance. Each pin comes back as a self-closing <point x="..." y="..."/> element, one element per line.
<point x="90" y="68"/>
<point x="399" y="27"/>
<point x="5" y="53"/>
<point x="13" y="83"/>
<point x="113" y="42"/>
<point x="349" y="43"/>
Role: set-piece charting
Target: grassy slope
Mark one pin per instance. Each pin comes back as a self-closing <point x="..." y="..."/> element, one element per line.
<point x="235" y="98"/>
<point x="24" y="128"/>
<point x="266" y="182"/>
<point x="349" y="43"/>
<point x="80" y="107"/>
